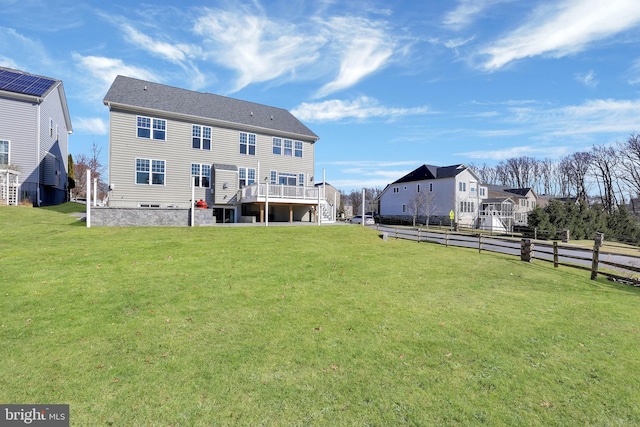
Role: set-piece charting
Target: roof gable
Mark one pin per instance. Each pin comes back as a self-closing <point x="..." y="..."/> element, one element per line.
<point x="126" y="91"/>
<point x="427" y="172"/>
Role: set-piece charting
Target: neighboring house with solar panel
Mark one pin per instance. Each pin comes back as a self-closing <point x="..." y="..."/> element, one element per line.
<point x="34" y="134"/>
<point x="247" y="161"/>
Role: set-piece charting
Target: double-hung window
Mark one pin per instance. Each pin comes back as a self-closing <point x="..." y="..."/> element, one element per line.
<point x="150" y="172"/>
<point x="246" y="176"/>
<point x="201" y="175"/>
<point x="462" y="186"/>
<point x="150" y="128"/>
<point x="298" y="149"/>
<point x="288" y="147"/>
<point x="201" y="137"/>
<point x="4" y="152"/>
<point x="277" y="146"/>
<point x="248" y="143"/>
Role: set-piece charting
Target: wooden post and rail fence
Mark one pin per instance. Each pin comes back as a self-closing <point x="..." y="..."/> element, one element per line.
<point x="620" y="268"/>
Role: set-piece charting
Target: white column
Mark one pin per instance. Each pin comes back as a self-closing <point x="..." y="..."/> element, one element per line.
<point x="266" y="207"/>
<point x="88" y="200"/>
<point x="193" y="202"/>
<point x="363" y="203"/>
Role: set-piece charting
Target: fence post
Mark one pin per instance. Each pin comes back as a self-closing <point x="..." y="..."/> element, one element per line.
<point x="594" y="262"/>
<point x="479" y="243"/>
<point x="396" y="232"/>
<point x="535" y="233"/>
<point x="526" y="250"/>
<point x="555" y="254"/>
<point x="418" y="235"/>
<point x="597" y="242"/>
<point x="446" y="239"/>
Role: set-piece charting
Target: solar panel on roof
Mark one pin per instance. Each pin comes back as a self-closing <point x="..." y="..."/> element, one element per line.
<point x="24" y="83"/>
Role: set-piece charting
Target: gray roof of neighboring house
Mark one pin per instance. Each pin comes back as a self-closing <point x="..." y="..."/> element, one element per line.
<point x="517" y="191"/>
<point x="425" y="172"/>
<point x="126" y="91"/>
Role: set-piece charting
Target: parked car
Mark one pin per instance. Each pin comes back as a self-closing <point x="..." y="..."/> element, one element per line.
<point x="357" y="219"/>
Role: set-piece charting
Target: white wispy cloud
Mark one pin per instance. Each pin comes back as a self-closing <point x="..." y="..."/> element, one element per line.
<point x="467" y="12"/>
<point x="90" y="125"/>
<point x="359" y="108"/>
<point x="254" y="46"/>
<point x="562" y="29"/>
<point x="178" y="53"/>
<point x="634" y="73"/>
<point x="364" y="47"/>
<point x="104" y="71"/>
<point x="588" y="79"/>
<point x="519" y="151"/>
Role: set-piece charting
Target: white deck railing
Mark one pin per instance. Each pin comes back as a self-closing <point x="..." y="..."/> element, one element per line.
<point x="257" y="192"/>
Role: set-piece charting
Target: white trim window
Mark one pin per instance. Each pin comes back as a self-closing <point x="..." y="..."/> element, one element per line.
<point x="298" y="149"/>
<point x="396" y="190"/>
<point x="246" y="177"/>
<point x="50" y="127"/>
<point x="201" y="175"/>
<point x="201" y="137"/>
<point x="151" y="128"/>
<point x="288" y="148"/>
<point x="277" y="146"/>
<point x="431" y="187"/>
<point x="4" y="152"/>
<point x="467" y="207"/>
<point x="300" y="180"/>
<point x="482" y="193"/>
<point x="462" y="186"/>
<point x="248" y="143"/>
<point x="150" y="172"/>
<point x="273" y="177"/>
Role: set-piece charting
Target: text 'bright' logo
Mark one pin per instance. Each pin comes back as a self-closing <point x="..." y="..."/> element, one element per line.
<point x="38" y="415"/>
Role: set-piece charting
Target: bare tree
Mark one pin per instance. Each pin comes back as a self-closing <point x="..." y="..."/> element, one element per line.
<point x="630" y="165"/>
<point x="83" y="163"/>
<point x="604" y="162"/>
<point x="574" y="169"/>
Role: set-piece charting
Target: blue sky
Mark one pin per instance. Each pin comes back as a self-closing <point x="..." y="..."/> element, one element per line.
<point x="387" y="85"/>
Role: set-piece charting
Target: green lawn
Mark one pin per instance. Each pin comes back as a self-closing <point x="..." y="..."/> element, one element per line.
<point x="285" y="326"/>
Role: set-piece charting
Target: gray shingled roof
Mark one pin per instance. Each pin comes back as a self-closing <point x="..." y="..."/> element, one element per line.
<point x="131" y="92"/>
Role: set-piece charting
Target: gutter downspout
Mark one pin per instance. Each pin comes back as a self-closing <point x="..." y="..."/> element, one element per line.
<point x="38" y="131"/>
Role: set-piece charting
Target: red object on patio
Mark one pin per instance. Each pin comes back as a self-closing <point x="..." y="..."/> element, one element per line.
<point x="201" y="204"/>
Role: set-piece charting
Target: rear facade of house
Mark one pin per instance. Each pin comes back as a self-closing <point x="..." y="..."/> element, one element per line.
<point x="34" y="135"/>
<point x="170" y="147"/>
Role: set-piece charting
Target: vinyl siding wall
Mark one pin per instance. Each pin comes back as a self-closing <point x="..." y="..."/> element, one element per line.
<point x="19" y="125"/>
<point x="178" y="154"/>
<point x="55" y="144"/>
<point x="446" y="197"/>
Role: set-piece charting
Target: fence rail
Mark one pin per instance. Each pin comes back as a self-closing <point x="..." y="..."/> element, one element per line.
<point x="621" y="268"/>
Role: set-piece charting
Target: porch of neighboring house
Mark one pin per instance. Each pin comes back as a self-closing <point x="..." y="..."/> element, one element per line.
<point x="497" y="215"/>
<point x="9" y="187"/>
<point x="286" y="203"/>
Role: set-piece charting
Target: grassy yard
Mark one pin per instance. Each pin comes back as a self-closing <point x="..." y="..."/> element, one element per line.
<point x="286" y="326"/>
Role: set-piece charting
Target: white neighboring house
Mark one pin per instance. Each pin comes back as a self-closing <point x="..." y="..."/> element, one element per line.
<point x="432" y="193"/>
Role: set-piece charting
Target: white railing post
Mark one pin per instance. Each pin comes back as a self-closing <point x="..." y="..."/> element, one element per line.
<point x="88" y="198"/>
<point x="266" y="207"/>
